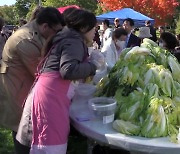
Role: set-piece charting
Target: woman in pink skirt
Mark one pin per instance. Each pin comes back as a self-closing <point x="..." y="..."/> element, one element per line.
<point x="66" y="60"/>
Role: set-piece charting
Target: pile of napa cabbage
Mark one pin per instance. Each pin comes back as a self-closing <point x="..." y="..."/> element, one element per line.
<point x="146" y="84"/>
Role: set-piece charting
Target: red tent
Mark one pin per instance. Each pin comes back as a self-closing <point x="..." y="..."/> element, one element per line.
<point x="62" y="9"/>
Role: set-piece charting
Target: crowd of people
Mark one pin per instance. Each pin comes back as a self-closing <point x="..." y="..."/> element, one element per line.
<point x="42" y="60"/>
<point x="166" y="39"/>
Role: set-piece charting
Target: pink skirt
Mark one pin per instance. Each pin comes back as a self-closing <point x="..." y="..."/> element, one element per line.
<point x="50" y="114"/>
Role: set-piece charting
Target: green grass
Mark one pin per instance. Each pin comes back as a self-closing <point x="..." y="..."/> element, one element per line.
<point x="76" y="145"/>
<point x="6" y="142"/>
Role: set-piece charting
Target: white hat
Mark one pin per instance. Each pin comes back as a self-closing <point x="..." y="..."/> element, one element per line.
<point x="144" y="32"/>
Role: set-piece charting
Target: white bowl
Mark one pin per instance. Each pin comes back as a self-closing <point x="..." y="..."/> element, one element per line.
<point x="103" y="108"/>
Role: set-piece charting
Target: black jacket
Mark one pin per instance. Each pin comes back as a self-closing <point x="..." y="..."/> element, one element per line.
<point x="68" y="56"/>
<point x="133" y="41"/>
<point x="153" y="33"/>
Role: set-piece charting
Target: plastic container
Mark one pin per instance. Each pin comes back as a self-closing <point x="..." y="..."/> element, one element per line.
<point x="103" y="108"/>
<point x="100" y="74"/>
<point x="85" y="89"/>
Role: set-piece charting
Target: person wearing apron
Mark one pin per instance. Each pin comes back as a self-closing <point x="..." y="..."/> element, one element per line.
<point x="66" y="59"/>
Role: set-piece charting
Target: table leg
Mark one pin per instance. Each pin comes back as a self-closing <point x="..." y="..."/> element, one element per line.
<point x="91" y="144"/>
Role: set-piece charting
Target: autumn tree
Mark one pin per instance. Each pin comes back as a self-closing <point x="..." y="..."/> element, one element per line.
<point x="160" y="10"/>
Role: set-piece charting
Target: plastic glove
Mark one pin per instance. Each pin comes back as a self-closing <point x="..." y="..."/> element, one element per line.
<point x="97" y="59"/>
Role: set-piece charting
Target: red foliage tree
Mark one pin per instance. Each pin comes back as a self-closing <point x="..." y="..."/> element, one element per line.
<point x="160" y="10"/>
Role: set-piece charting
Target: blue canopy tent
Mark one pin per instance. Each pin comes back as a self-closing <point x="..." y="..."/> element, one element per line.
<point x="139" y="19"/>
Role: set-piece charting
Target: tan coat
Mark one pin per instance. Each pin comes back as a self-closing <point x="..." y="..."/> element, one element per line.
<point x="20" y="58"/>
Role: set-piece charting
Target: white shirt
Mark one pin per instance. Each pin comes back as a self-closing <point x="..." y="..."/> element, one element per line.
<point x="107" y="34"/>
<point x="110" y="53"/>
<point x="127" y="40"/>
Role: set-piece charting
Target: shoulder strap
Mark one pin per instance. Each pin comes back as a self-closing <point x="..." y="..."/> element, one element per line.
<point x="43" y="62"/>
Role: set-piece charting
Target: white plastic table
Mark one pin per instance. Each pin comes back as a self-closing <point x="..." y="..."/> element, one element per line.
<point x="84" y="121"/>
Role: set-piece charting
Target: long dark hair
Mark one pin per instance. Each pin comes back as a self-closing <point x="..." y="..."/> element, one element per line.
<point x="170" y="40"/>
<point x="79" y="19"/>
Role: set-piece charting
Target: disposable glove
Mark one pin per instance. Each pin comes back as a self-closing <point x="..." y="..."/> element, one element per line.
<point x="97" y="58"/>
